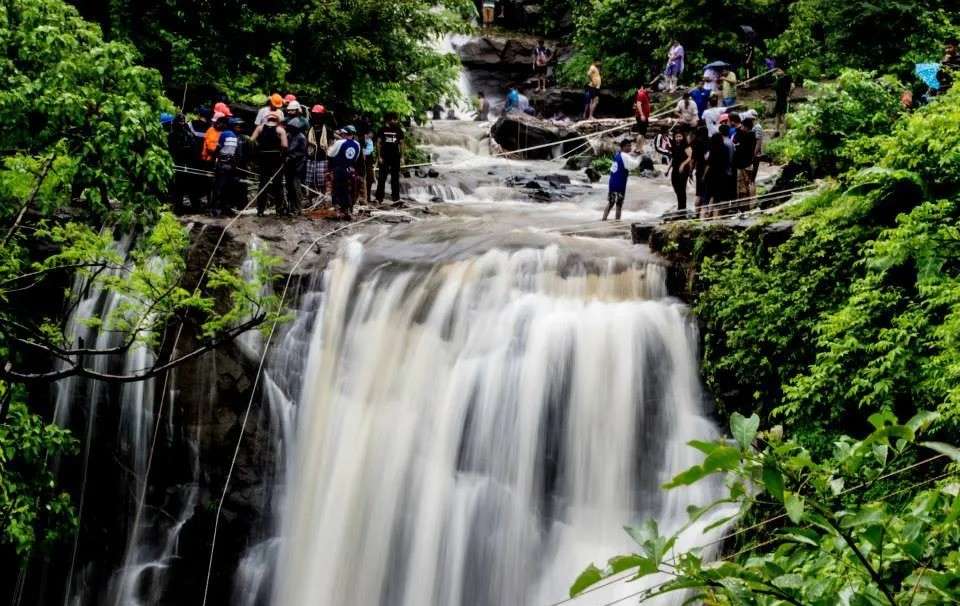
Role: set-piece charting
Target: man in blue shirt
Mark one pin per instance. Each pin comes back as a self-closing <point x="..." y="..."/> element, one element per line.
<point x="623" y="163"/>
<point x="700" y="96"/>
<point x="344" y="157"/>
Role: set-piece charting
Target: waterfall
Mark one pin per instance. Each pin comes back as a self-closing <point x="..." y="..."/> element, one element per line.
<point x="476" y="430"/>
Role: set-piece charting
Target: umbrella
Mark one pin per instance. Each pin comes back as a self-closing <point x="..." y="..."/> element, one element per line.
<point x="928" y="73"/>
<point x="717" y="65"/>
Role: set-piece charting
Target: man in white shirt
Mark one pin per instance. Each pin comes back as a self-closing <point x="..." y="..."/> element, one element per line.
<point x="711" y="116"/>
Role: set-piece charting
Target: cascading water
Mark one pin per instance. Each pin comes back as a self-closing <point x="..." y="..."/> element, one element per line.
<point x="477" y="420"/>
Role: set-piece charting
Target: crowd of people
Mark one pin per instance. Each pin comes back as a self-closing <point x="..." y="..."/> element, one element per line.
<point x="293" y="153"/>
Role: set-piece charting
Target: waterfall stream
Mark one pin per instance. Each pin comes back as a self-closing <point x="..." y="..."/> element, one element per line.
<point x="464" y="410"/>
<point x="474" y="426"/>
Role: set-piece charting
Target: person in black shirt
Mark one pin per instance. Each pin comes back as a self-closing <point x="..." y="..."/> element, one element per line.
<point x="746" y="141"/>
<point x="783" y="86"/>
<point x="681" y="163"/>
<point x="390" y="153"/>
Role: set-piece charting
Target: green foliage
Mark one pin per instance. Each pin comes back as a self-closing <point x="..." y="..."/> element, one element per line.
<point x="85" y="107"/>
<point x="34" y="514"/>
<point x="887" y="35"/>
<point x="372" y="55"/>
<point x="602" y="164"/>
<point x="832" y="530"/>
<point x="860" y="309"/>
<point x="84" y="159"/>
<point x="826" y="133"/>
<point x="632" y="37"/>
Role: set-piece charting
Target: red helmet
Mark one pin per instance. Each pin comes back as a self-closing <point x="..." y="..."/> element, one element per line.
<point x="289" y="97"/>
<point x="222" y="108"/>
<point x="318" y="109"/>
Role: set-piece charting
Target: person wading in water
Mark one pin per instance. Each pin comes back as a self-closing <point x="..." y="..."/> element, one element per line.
<point x="623" y="163"/>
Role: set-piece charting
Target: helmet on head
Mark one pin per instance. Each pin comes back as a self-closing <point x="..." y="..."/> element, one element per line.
<point x="318" y="109"/>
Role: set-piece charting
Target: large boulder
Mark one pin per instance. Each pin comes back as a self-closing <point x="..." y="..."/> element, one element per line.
<point x="516" y="131"/>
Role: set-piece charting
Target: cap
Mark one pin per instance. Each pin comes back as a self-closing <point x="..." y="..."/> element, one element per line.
<point x="235" y="121"/>
<point x="724" y="117"/>
<point x="318" y="109"/>
<point x="166" y="118"/>
<point x="350" y="130"/>
<point x="222" y="108"/>
<point x="276" y="100"/>
<point x="750" y="113"/>
<point x="289" y="98"/>
<point x="293" y="106"/>
<point x="272" y="117"/>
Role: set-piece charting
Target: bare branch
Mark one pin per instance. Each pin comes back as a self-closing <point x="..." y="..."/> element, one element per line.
<point x="78" y="370"/>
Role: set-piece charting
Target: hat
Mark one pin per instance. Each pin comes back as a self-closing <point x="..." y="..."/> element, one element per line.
<point x="750" y="113"/>
<point x="288" y="98"/>
<point x="276" y="100"/>
<point x="293" y="106"/>
<point x="272" y="116"/>
<point x="166" y="118"/>
<point x="350" y="130"/>
<point x="724" y="117"/>
<point x="222" y="108"/>
<point x="235" y="121"/>
<point x="318" y="109"/>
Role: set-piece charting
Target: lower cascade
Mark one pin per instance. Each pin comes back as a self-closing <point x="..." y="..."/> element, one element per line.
<point x="477" y="429"/>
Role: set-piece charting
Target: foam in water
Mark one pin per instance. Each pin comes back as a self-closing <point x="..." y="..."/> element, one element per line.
<point x="476" y="431"/>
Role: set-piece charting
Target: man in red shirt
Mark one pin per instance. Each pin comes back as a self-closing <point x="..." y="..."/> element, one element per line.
<point x="641" y="109"/>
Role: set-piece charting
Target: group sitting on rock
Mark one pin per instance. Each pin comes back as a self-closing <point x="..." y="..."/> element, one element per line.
<point x="295" y="155"/>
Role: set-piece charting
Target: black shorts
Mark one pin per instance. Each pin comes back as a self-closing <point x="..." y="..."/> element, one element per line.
<point x="591" y="93"/>
<point x="641" y="126"/>
<point x="615" y="198"/>
<point x="540" y="70"/>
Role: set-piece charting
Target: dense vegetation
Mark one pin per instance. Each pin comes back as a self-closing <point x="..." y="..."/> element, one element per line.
<point x="858" y="311"/>
<point x="84" y="164"/>
<point x="813" y="38"/>
<point x="368" y="55"/>
<point x="849" y="324"/>
<point x="851" y="528"/>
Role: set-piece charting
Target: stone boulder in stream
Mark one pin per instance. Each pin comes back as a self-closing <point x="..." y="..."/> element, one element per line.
<point x="517" y="131"/>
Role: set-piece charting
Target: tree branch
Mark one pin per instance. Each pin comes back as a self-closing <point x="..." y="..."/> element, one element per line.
<point x="78" y="370"/>
<point x="33" y="196"/>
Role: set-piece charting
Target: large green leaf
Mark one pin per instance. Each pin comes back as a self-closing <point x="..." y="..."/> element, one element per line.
<point x="794" y="506"/>
<point x="945" y="449"/>
<point x="744" y="430"/>
<point x="773" y="481"/>
<point x="590" y="576"/>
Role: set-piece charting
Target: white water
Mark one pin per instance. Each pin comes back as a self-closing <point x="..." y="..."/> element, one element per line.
<point x="478" y="420"/>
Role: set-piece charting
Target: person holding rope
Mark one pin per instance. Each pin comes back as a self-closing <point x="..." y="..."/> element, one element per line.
<point x="271" y="139"/>
<point x="623" y="162"/>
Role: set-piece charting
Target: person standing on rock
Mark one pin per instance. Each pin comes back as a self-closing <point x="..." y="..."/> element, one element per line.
<point x="483" y="108"/>
<point x="541" y="58"/>
<point x="271" y="140"/>
<point x="344" y="155"/>
<point x="623" y="162"/>
<point x="489" y="7"/>
<point x="681" y="165"/>
<point x="591" y="96"/>
<point x="675" y="65"/>
<point x="390" y="153"/>
<point x="641" y="110"/>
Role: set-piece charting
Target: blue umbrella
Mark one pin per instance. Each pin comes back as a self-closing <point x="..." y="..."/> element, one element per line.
<point x="928" y="73"/>
<point x="717" y="65"/>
